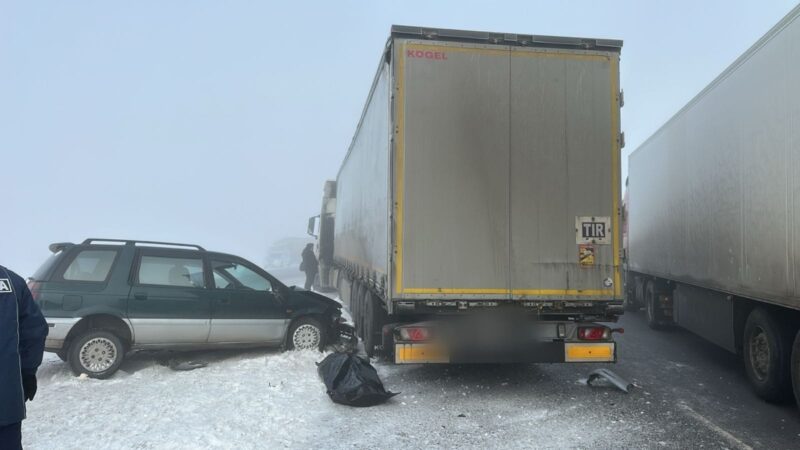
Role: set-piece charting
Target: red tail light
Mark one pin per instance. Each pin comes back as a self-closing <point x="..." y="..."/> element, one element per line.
<point x="415" y="333"/>
<point x="592" y="333"/>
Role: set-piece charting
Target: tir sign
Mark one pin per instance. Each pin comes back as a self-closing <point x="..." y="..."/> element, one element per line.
<point x="593" y="230"/>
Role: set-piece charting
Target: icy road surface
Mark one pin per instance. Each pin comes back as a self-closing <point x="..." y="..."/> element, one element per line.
<point x="688" y="394"/>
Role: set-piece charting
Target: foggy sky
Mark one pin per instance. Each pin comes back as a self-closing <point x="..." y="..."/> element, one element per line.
<point x="217" y="123"/>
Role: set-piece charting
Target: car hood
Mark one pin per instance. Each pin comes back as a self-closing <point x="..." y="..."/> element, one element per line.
<point x="316" y="296"/>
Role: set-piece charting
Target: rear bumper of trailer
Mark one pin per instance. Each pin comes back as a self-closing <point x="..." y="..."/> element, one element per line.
<point x="437" y="342"/>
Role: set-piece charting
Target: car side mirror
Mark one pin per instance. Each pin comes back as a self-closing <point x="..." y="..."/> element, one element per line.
<point x="279" y="294"/>
<point x="312" y="226"/>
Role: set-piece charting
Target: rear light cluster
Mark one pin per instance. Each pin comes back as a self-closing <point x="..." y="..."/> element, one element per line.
<point x="415" y="334"/>
<point x="593" y="333"/>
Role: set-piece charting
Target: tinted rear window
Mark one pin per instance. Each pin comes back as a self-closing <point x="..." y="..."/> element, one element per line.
<point x="90" y="265"/>
<point x="44" y="269"/>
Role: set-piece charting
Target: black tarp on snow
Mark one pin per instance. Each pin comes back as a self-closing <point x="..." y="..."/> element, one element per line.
<point x="351" y="380"/>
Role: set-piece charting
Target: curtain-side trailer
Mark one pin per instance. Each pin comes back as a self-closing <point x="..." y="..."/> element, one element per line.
<point x="475" y="217"/>
<point x="714" y="209"/>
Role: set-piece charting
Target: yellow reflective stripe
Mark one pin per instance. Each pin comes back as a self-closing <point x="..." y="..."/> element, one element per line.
<point x="575" y="292"/>
<point x="399" y="166"/>
<point x="615" y="166"/>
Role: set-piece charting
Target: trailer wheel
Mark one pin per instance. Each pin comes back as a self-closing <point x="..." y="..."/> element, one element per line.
<point x="362" y="311"/>
<point x="765" y="348"/>
<point x="369" y="323"/>
<point x="629" y="303"/>
<point x="374" y="319"/>
<point x="355" y="303"/>
<point x="795" y="371"/>
<point x="651" y="308"/>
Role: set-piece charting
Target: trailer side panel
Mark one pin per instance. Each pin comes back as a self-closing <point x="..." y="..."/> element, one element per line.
<point x="362" y="190"/>
<point x="714" y="193"/>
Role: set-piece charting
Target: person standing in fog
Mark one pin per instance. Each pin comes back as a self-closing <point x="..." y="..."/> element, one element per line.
<point x="22" y="334"/>
<point x="310" y="265"/>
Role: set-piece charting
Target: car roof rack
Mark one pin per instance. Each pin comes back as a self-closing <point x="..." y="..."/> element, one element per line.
<point x="56" y="247"/>
<point x="134" y="242"/>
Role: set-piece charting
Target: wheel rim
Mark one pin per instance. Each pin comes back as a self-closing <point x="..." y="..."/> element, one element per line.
<point x="759" y="353"/>
<point x="306" y="336"/>
<point x="98" y="354"/>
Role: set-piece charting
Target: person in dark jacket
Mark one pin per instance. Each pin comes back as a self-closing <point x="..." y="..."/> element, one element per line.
<point x="310" y="265"/>
<point x="22" y="334"/>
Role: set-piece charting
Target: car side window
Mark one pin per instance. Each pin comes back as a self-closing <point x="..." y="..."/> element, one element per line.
<point x="221" y="282"/>
<point x="171" y="271"/>
<point x="90" y="265"/>
<point x="232" y="275"/>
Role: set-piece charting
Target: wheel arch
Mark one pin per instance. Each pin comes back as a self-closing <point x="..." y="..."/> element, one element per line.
<point x="109" y="322"/>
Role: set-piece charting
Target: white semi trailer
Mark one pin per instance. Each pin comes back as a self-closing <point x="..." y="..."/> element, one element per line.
<point x="475" y="217"/>
<point x="714" y="213"/>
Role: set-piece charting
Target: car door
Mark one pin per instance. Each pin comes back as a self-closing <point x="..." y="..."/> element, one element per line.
<point x="170" y="302"/>
<point x="245" y="308"/>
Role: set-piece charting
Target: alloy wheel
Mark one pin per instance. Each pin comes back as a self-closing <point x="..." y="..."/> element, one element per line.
<point x="306" y="336"/>
<point x="98" y="354"/>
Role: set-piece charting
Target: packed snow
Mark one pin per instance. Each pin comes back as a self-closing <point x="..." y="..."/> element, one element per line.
<point x="244" y="399"/>
<point x="271" y="399"/>
<point x="266" y="398"/>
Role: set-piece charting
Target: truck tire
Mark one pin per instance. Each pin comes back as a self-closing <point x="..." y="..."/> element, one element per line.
<point x="354" y="305"/>
<point x="358" y="292"/>
<point x="795" y="371"/>
<point x="652" y="310"/>
<point x="362" y="310"/>
<point x="374" y="319"/>
<point x="96" y="353"/>
<point x="629" y="303"/>
<point x="369" y="326"/>
<point x="766" y="350"/>
<point x="354" y="286"/>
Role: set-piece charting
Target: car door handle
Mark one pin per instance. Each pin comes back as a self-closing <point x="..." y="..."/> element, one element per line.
<point x="140" y="296"/>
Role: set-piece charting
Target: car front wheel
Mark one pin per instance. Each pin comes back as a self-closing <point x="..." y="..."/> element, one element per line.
<point x="306" y="333"/>
<point x="97" y="353"/>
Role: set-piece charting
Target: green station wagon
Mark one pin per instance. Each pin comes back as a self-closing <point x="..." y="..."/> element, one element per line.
<point x="105" y="297"/>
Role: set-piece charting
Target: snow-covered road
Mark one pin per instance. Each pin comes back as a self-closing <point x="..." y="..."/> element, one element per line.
<point x="268" y="399"/>
<point x="688" y="394"/>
